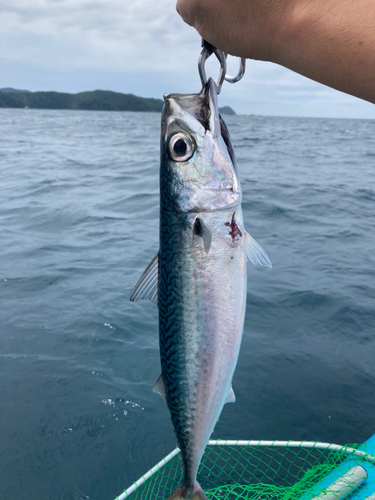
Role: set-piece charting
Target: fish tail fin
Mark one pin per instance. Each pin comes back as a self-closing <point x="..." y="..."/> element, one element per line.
<point x="184" y="493"/>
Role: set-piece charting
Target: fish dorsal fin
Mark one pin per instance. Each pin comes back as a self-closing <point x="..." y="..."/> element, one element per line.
<point x="147" y="286"/>
<point x="255" y="253"/>
<point x="159" y="388"/>
<point x="200" y="229"/>
<point x="231" y="398"/>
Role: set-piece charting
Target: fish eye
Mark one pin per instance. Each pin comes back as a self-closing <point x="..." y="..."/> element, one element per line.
<point x="180" y="146"/>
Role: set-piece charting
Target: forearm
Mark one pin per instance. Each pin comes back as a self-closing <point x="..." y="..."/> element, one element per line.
<point x="333" y="44"/>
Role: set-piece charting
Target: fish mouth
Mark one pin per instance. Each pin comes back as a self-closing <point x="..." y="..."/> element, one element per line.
<point x="234" y="204"/>
<point x="231" y="190"/>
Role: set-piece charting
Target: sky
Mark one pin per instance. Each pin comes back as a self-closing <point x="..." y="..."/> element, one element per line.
<point x="144" y="48"/>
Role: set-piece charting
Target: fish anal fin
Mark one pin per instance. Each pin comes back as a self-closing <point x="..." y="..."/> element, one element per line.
<point x="255" y="253"/>
<point x="231" y="398"/>
<point x="147" y="286"/>
<point x="159" y="388"/>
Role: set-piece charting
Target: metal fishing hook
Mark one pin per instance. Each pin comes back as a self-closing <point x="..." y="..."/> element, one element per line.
<point x="241" y="72"/>
<point x="207" y="51"/>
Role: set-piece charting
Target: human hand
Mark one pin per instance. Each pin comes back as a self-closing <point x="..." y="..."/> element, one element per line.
<point x="245" y="28"/>
<point x="329" y="41"/>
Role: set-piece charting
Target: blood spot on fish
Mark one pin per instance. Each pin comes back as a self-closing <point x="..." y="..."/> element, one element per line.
<point x="234" y="231"/>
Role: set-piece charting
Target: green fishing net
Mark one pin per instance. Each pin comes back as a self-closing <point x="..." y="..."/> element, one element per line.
<point x="253" y="472"/>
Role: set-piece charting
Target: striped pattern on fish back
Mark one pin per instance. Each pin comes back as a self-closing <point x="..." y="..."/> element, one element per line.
<point x="171" y="320"/>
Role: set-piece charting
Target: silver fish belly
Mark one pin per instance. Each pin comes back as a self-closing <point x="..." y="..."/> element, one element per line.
<point x="198" y="278"/>
<point x="201" y="312"/>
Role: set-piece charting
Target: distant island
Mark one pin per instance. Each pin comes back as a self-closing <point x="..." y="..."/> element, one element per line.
<point x="227" y="110"/>
<point x="9" y="89"/>
<point x="96" y="100"/>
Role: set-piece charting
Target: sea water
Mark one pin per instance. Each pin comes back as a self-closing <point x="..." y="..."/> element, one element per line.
<point x="78" y="361"/>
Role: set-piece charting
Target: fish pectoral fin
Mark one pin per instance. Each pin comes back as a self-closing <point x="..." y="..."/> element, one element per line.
<point x="231" y="398"/>
<point x="159" y="388"/>
<point x="200" y="229"/>
<point x="255" y="253"/>
<point x="147" y="286"/>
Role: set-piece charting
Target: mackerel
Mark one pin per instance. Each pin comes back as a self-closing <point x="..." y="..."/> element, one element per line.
<point x="198" y="277"/>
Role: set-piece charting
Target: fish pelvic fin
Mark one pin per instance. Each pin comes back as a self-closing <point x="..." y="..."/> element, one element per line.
<point x="184" y="493"/>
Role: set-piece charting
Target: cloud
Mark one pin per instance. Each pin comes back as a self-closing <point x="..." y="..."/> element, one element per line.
<point x="119" y="35"/>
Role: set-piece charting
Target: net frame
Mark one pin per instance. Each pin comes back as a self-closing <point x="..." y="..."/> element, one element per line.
<point x="349" y="451"/>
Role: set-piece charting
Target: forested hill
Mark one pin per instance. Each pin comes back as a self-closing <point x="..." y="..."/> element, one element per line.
<point x="98" y="100"/>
